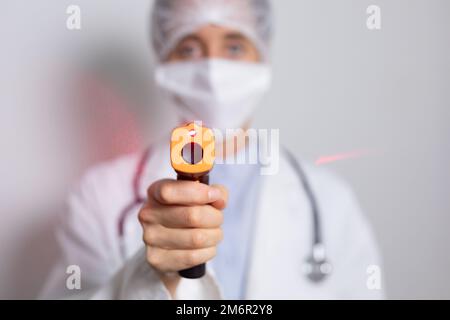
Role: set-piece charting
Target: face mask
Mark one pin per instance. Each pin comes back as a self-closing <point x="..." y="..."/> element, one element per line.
<point x="222" y="94"/>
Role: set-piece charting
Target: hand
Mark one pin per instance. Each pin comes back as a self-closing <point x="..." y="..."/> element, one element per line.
<point x="182" y="226"/>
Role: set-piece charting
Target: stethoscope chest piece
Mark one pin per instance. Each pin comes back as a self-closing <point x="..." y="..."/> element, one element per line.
<point x="317" y="267"/>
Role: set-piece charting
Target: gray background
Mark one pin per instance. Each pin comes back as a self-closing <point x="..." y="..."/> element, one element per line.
<point x="338" y="87"/>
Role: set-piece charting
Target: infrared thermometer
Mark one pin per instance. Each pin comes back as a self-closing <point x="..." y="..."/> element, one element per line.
<point x="192" y="154"/>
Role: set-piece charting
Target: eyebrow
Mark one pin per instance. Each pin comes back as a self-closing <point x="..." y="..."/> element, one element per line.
<point x="236" y="36"/>
<point x="190" y="37"/>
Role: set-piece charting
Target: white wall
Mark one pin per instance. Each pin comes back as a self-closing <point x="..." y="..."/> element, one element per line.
<point x="339" y="88"/>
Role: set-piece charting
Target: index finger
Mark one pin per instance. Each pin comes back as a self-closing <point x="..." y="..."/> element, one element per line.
<point x="189" y="193"/>
<point x="221" y="203"/>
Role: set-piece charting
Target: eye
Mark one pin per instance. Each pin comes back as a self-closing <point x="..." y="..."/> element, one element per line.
<point x="235" y="49"/>
<point x="189" y="49"/>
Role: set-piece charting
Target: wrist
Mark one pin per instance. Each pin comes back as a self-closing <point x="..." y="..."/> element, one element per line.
<point x="170" y="281"/>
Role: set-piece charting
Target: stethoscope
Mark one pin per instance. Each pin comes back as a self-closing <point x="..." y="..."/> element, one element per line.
<point x="316" y="266"/>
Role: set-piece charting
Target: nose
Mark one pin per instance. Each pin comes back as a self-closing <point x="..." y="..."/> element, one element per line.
<point x="213" y="50"/>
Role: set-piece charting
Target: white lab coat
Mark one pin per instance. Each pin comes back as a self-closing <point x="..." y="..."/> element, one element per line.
<point x="114" y="268"/>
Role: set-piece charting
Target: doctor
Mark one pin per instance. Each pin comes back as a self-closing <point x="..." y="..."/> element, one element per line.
<point x="130" y="226"/>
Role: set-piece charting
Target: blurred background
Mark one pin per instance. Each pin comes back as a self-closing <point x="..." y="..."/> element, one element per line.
<point x="73" y="98"/>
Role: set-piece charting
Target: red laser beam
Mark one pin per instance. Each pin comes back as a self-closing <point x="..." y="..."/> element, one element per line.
<point x="343" y="156"/>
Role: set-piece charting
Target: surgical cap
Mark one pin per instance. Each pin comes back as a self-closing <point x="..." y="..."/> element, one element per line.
<point x="172" y="20"/>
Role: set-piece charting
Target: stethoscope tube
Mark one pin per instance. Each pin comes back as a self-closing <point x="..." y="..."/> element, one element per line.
<point x="137" y="199"/>
<point x="316" y="266"/>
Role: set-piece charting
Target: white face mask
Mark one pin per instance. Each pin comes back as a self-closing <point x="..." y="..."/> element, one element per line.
<point x="223" y="94"/>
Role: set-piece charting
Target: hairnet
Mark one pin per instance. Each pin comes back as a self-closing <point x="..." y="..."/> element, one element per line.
<point x="172" y="20"/>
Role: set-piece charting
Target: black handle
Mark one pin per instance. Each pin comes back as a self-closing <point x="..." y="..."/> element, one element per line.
<point x="197" y="271"/>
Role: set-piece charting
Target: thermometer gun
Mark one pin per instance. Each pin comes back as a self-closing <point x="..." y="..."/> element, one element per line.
<point x="192" y="156"/>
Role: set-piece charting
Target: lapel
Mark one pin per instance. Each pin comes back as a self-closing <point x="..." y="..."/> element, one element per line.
<point x="282" y="239"/>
